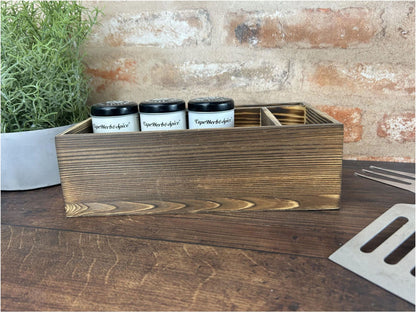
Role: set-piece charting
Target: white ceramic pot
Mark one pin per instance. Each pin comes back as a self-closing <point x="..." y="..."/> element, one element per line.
<point x="28" y="159"/>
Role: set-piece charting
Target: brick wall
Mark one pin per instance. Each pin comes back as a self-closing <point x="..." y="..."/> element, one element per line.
<point x="353" y="60"/>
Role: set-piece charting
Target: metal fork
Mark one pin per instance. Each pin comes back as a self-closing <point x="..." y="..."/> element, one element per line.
<point x="403" y="180"/>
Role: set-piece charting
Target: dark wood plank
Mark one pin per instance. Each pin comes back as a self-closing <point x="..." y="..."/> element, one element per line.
<point x="309" y="233"/>
<point x="69" y="271"/>
<point x="157" y="172"/>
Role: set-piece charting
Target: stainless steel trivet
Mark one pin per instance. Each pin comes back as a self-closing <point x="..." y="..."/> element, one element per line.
<point x="397" y="278"/>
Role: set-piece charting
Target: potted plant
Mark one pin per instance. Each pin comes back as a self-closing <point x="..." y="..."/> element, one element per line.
<point x="44" y="87"/>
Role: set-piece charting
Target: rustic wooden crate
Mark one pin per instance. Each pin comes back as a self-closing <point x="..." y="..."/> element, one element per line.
<point x="260" y="164"/>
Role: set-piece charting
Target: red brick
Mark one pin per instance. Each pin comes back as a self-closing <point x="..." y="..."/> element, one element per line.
<point x="350" y="117"/>
<point x="397" y="127"/>
<point x="252" y="76"/>
<point x="106" y="73"/>
<point x="386" y="78"/>
<point x="306" y="28"/>
<point x="406" y="26"/>
<point x="160" y="29"/>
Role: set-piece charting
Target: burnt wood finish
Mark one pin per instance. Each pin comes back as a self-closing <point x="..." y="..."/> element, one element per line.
<point x="268" y="119"/>
<point x="247" y="117"/>
<point x="247" y="261"/>
<point x="313" y="117"/>
<point x="290" y="114"/>
<point x="266" y="167"/>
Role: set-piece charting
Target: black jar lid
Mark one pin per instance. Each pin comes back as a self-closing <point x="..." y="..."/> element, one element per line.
<point x="114" y="108"/>
<point x="210" y="104"/>
<point x="163" y="105"/>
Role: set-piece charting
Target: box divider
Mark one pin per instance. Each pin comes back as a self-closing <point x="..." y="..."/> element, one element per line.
<point x="267" y="118"/>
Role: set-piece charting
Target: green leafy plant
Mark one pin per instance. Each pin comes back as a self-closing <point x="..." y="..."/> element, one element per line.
<point x="43" y="79"/>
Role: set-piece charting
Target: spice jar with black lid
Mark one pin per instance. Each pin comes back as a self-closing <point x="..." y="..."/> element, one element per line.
<point x="162" y="114"/>
<point x="210" y="112"/>
<point x="115" y="116"/>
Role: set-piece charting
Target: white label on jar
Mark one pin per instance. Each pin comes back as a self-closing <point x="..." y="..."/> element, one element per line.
<point x="202" y="120"/>
<point x="122" y="123"/>
<point x="163" y="121"/>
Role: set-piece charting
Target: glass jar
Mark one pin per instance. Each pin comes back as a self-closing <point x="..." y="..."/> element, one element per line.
<point x="210" y="112"/>
<point x="162" y="114"/>
<point x="115" y="116"/>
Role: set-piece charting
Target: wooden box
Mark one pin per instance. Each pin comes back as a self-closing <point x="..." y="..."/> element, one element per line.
<point x="277" y="157"/>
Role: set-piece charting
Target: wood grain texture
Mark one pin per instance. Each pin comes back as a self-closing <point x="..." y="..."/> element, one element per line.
<point x="313" y="117"/>
<point x="268" y="119"/>
<point x="247" y="117"/>
<point x="256" y="168"/>
<point x="82" y="127"/>
<point x="219" y="261"/>
<point x="290" y="114"/>
<point x="184" y="206"/>
<point x="56" y="270"/>
<point x="310" y="233"/>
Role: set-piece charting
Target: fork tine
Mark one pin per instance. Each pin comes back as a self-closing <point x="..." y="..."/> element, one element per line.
<point x="389" y="182"/>
<point x="386" y="175"/>
<point x="406" y="174"/>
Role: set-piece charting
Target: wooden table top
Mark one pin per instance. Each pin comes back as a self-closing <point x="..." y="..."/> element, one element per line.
<point x="235" y="261"/>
